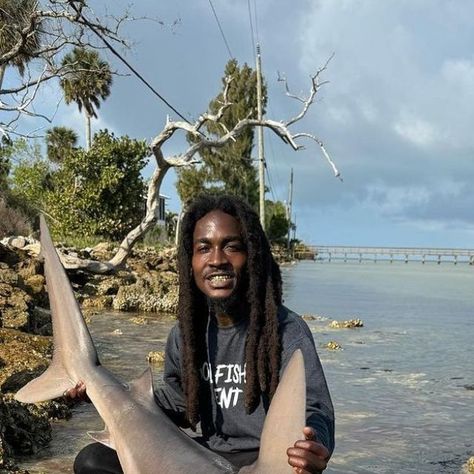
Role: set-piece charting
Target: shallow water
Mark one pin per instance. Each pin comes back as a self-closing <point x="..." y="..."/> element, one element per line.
<point x="401" y="386"/>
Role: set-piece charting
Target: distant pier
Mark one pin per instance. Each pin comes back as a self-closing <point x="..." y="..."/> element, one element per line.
<point x="387" y="254"/>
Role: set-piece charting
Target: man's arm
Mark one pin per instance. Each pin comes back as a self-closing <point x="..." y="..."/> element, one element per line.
<point x="170" y="397"/>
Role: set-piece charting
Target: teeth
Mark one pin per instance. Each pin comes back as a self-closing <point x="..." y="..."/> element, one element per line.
<point x="220" y="277"/>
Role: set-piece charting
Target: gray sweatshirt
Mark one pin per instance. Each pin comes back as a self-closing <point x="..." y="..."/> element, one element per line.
<point x="225" y="425"/>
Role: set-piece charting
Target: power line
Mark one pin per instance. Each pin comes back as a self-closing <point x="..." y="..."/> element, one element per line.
<point x="252" y="35"/>
<point x="117" y="54"/>
<point x="272" y="161"/>
<point x="270" y="182"/>
<point x="256" y="20"/>
<point x="221" y="30"/>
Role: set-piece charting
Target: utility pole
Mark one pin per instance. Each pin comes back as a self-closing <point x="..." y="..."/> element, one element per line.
<point x="261" y="158"/>
<point x="289" y="208"/>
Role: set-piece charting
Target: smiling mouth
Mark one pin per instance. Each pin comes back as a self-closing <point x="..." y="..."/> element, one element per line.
<point x="220" y="278"/>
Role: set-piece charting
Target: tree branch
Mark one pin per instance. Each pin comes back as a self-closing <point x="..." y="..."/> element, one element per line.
<point x="163" y="164"/>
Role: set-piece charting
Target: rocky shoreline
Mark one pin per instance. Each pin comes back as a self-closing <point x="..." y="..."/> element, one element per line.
<point x="149" y="283"/>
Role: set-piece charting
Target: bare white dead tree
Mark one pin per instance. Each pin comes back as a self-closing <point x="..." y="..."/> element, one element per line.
<point x="190" y="156"/>
<point x="32" y="43"/>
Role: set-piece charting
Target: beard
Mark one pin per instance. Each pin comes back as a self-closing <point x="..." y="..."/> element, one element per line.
<point x="230" y="305"/>
<point x="234" y="305"/>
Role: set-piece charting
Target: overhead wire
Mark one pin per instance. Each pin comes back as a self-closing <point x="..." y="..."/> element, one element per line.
<point x="123" y="60"/>
<point x="252" y="34"/>
<point x="221" y="30"/>
<point x="256" y="20"/>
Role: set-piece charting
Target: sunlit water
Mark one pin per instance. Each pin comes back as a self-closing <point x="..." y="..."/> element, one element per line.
<point x="402" y="385"/>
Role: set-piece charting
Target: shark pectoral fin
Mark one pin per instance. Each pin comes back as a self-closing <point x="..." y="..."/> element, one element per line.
<point x="285" y="420"/>
<point x="103" y="437"/>
<point x="50" y="384"/>
<point x="141" y="390"/>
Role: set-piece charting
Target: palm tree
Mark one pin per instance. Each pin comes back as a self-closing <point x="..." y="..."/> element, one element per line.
<point x="15" y="16"/>
<point x="88" y="80"/>
<point x="59" y="142"/>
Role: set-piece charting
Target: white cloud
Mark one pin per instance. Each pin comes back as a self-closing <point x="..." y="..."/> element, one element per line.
<point x="459" y="73"/>
<point x="368" y="110"/>
<point x="415" y="130"/>
<point x="340" y="114"/>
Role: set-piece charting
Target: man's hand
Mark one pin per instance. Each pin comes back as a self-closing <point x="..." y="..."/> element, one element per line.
<point x="308" y="456"/>
<point x="78" y="393"/>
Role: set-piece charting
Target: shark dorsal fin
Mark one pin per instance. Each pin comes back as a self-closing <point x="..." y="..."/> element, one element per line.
<point x="141" y="390"/>
<point x="284" y="422"/>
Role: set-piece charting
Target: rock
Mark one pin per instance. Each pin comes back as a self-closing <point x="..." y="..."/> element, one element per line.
<point x="22" y="353"/>
<point x="351" y="323"/>
<point x="8" y="256"/>
<point x="308" y="317"/>
<point x="468" y="466"/>
<point x="139" y="320"/>
<point x="103" y="251"/>
<point x="33" y="249"/>
<point x="16" y="307"/>
<point x="9" y="276"/>
<point x="27" y="427"/>
<point x="109" y="286"/>
<point x="156" y="357"/>
<point x="140" y="296"/>
<point x="333" y="346"/>
<point x="97" y="302"/>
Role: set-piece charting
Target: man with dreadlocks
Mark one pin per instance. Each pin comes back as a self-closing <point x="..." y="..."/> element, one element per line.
<point x="232" y="341"/>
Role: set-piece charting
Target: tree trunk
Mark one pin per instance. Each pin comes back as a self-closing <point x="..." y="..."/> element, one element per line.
<point x="88" y="131"/>
<point x="3" y="67"/>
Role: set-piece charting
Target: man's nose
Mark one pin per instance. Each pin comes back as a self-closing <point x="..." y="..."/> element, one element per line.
<point x="218" y="257"/>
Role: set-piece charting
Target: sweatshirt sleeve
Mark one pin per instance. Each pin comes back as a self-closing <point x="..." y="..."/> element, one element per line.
<point x="319" y="408"/>
<point x="170" y="397"/>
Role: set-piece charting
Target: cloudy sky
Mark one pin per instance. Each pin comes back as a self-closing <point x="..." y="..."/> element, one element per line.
<point x="396" y="115"/>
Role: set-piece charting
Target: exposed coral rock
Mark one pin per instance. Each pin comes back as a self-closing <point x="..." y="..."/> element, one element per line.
<point x="23" y="355"/>
<point x="16" y="306"/>
<point x="351" y="323"/>
<point x="468" y="467"/>
<point x="333" y="346"/>
<point x="139" y="320"/>
<point x="97" y="302"/>
<point x="156" y="357"/>
<point x="23" y="428"/>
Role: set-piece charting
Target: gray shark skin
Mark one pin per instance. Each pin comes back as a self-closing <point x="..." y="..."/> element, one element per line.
<point x="146" y="440"/>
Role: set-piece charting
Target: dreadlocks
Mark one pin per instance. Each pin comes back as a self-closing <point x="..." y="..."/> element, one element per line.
<point x="262" y="347"/>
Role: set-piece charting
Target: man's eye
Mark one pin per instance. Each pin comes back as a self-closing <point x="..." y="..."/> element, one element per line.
<point x="235" y="247"/>
<point x="202" y="249"/>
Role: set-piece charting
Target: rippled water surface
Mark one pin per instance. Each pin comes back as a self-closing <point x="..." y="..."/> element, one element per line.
<point x="402" y="386"/>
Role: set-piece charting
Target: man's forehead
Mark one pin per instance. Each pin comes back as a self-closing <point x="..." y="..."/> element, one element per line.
<point x="217" y="222"/>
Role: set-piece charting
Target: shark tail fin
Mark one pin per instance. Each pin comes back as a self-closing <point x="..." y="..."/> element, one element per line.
<point x="286" y="417"/>
<point x="71" y="338"/>
<point x="50" y="384"/>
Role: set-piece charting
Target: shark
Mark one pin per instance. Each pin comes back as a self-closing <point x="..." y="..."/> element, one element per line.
<point x="145" y="439"/>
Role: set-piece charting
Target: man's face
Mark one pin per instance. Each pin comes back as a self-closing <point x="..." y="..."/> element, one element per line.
<point x="219" y="255"/>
